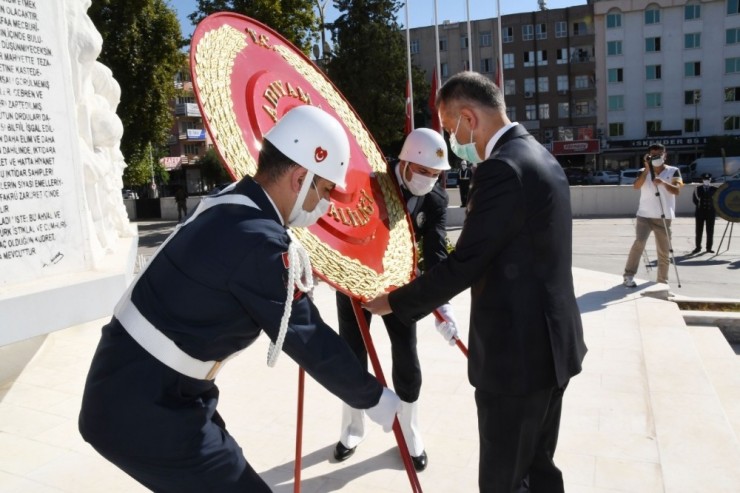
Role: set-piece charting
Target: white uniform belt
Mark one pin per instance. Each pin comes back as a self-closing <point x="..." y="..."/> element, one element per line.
<point x="163" y="348"/>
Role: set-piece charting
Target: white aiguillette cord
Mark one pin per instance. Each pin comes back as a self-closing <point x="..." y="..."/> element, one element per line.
<point x="300" y="276"/>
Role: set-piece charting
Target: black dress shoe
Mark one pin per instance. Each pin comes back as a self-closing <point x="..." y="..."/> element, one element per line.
<point x="695" y="250"/>
<point x="342" y="453"/>
<point x="709" y="250"/>
<point x="420" y="462"/>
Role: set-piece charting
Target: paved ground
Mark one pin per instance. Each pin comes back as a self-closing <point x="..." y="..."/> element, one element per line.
<point x="656" y="408"/>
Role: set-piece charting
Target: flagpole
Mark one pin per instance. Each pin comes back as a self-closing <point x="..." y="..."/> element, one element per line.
<point x="470" y="37"/>
<point x="500" y="49"/>
<point x="410" y="83"/>
<point x="436" y="48"/>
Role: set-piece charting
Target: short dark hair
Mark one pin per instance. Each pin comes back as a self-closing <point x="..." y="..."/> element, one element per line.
<point x="272" y="164"/>
<point x="471" y="87"/>
<point x="656" y="147"/>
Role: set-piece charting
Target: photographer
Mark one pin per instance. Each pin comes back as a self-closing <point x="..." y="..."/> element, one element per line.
<point x="658" y="184"/>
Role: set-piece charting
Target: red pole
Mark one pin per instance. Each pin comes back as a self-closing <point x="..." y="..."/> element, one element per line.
<point x="299" y="431"/>
<point x="405" y="456"/>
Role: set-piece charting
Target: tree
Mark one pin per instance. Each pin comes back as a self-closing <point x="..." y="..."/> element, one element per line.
<point x="141" y="46"/>
<point x="369" y="66"/>
<point x="295" y="20"/>
<point x="211" y="170"/>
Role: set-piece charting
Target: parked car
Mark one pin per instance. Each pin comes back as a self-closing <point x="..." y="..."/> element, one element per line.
<point x="606" y="177"/>
<point x="451" y="178"/>
<point x="629" y="176"/>
<point x="576" y="176"/>
<point x="725" y="179"/>
<point x="129" y="194"/>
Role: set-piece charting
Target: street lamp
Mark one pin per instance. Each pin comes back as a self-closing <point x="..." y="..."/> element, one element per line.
<point x="697" y="98"/>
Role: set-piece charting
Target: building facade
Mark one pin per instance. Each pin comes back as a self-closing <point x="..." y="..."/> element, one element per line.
<point x="548" y="70"/>
<point x="667" y="71"/>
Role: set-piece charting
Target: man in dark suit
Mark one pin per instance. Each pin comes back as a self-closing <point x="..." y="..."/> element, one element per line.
<point x="514" y="251"/>
<point x="703" y="199"/>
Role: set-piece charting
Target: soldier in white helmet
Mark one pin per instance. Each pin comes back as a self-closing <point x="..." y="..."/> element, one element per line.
<point x="423" y="158"/>
<point x="229" y="272"/>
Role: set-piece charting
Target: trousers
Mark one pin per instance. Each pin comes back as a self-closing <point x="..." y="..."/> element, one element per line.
<point x="643" y="227"/>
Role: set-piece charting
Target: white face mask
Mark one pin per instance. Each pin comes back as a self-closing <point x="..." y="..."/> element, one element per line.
<point x="419" y="184"/>
<point x="300" y="218"/>
<point x="706" y="182"/>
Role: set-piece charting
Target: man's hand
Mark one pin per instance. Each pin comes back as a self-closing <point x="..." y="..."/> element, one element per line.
<point x="384" y="412"/>
<point x="378" y="305"/>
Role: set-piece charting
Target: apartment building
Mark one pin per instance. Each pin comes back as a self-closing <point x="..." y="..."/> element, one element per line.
<point x="667" y="71"/>
<point x="548" y="67"/>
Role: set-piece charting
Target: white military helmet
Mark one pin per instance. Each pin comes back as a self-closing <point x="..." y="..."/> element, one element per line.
<point x="426" y="147"/>
<point x="315" y="140"/>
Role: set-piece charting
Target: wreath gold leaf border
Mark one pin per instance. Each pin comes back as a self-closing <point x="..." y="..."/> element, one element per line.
<point x="215" y="55"/>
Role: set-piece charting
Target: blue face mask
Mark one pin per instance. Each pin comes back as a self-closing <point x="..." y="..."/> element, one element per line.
<point x="466" y="152"/>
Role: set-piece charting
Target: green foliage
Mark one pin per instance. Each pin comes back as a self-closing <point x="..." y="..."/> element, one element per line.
<point x="369" y="65"/>
<point x="295" y="20"/>
<point x="141" y="46"/>
<point x="212" y="170"/>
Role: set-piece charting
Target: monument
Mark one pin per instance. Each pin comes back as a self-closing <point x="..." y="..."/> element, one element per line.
<point x="67" y="249"/>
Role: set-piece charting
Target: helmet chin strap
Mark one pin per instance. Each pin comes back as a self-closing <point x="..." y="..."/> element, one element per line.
<point x="301" y="195"/>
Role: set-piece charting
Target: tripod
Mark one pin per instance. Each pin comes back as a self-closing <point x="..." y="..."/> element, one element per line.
<point x="662" y="216"/>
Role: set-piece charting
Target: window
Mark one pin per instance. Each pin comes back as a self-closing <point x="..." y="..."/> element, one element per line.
<point x="509" y="87"/>
<point x="544" y="112"/>
<point x="732" y="123"/>
<point x="653" y="127"/>
<point x="527" y="32"/>
<point x="507" y="34"/>
<point x="485" y="38"/>
<point x="463" y="41"/>
<point x="654" y="100"/>
<point x="191" y="149"/>
<point x="466" y="64"/>
<point x="613" y="48"/>
<point x="530" y="112"/>
<point x="733" y="7"/>
<point x="561" y="56"/>
<point x="691" y="12"/>
<point x="583" y="108"/>
<point x="444" y="69"/>
<point x="185" y="126"/>
<point x="185" y="99"/>
<point x="652" y="44"/>
<point x="732" y="36"/>
<point x="529" y="58"/>
<point x="652" y="72"/>
<point x="732" y="94"/>
<point x="692" y="69"/>
<point x="442" y="44"/>
<point x="562" y="83"/>
<point x="732" y="65"/>
<point x="486" y="65"/>
<point x="508" y="60"/>
<point x="414" y="46"/>
<point x="691" y="97"/>
<point x="580" y="28"/>
<point x="541" y="31"/>
<point x="543" y="84"/>
<point x="529" y="85"/>
<point x="691" y="40"/>
<point x="582" y="82"/>
<point x="561" y="29"/>
<point x="652" y="16"/>
<point x="615" y="75"/>
<point x="511" y="113"/>
<point x="613" y="20"/>
<point x="615" y="103"/>
<point x="542" y="57"/>
<point x="563" y="110"/>
<point x="616" y="129"/>
<point x="691" y="125"/>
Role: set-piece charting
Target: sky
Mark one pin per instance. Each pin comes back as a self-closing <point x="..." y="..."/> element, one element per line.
<point x="421" y="12"/>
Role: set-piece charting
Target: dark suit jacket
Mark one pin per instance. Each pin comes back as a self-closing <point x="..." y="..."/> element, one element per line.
<point x="515" y="253"/>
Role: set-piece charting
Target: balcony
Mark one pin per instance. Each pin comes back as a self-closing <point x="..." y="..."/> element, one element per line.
<point x="193" y="135"/>
<point x="187" y="109"/>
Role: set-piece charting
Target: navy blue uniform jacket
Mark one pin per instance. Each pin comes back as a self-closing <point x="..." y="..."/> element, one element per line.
<point x="213" y="289"/>
<point x="514" y="252"/>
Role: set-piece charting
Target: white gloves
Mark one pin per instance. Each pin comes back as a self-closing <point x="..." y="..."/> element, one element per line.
<point x="448" y="326"/>
<point x="384" y="412"/>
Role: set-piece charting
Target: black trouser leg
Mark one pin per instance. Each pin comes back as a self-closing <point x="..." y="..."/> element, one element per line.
<point x="710" y="231"/>
<point x="699" y="229"/>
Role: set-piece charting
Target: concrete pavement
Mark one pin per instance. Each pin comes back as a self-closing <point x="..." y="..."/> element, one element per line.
<point x="656" y="409"/>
